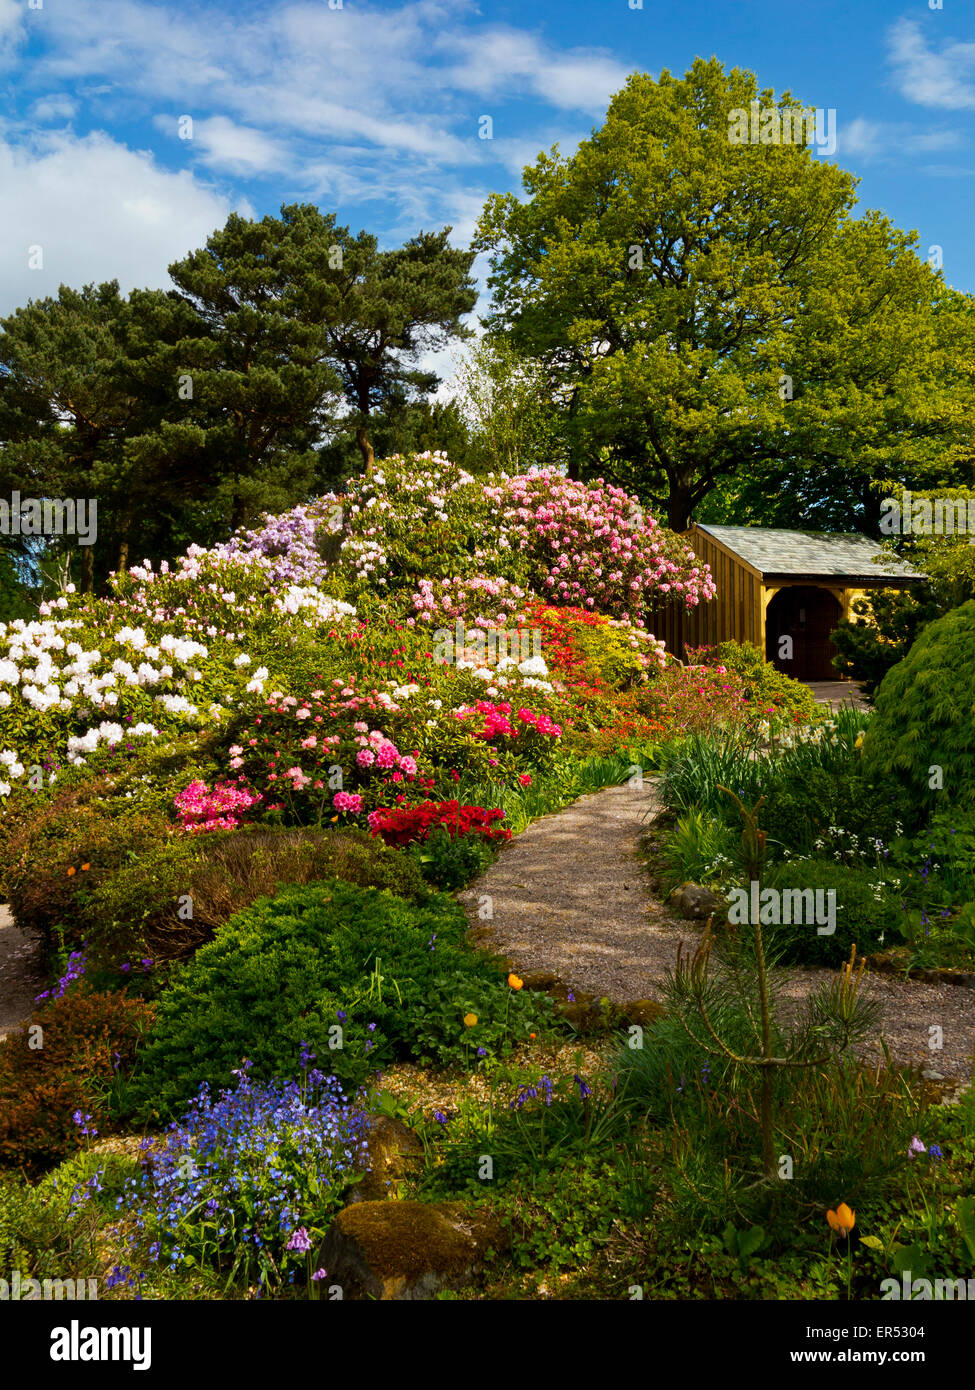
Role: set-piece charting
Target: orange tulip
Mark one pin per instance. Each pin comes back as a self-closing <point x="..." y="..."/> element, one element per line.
<point x="85" y="867"/>
<point x="70" y="872"/>
<point x="515" y="982"/>
<point x="842" y="1220"/>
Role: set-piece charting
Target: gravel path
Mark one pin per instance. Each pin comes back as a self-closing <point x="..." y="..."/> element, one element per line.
<point x="21" y="977"/>
<point x="571" y="895"/>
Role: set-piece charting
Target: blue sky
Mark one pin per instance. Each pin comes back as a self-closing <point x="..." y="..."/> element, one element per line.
<point x="372" y="111"/>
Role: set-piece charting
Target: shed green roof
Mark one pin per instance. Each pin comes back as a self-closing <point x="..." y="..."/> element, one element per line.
<point x="780" y="554"/>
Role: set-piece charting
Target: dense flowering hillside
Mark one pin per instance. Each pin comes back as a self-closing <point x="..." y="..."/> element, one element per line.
<point x="303" y="654"/>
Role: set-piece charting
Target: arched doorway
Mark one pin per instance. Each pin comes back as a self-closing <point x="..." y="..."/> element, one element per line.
<point x="807" y="615"/>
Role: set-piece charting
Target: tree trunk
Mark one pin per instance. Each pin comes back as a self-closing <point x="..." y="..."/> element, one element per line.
<point x="87" y="569"/>
<point x="365" y="448"/>
<point x="679" y="506"/>
<point x="123" y="548"/>
<point x="574" y="467"/>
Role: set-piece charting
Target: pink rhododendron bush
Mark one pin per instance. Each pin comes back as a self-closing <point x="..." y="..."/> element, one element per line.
<point x="573" y="543"/>
<point x="369" y="650"/>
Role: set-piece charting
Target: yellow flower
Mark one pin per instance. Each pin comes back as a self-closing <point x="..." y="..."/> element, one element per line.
<point x="859" y="742"/>
<point x="842" y="1219"/>
<point x="515" y="982"/>
<point x="470" y="1020"/>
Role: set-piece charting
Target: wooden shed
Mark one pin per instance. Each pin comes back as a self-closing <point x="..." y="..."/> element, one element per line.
<point x="784" y="591"/>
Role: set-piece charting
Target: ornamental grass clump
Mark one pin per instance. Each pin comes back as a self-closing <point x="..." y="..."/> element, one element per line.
<point x="231" y="1184"/>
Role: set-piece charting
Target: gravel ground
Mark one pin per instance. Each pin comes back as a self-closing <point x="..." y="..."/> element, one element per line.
<point x="571" y="895"/>
<point x="21" y="977"/>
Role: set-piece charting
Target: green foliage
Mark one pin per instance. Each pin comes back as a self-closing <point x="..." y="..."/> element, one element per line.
<point x="811" y="781"/>
<point x="383" y="309"/>
<point x="628" y="240"/>
<point x="764" y="684"/>
<point x="58" y="850"/>
<point x="610" y="653"/>
<point x="450" y="862"/>
<point x="848" y="1132"/>
<point x="887" y="623"/>
<point x="924" y="721"/>
<point x="867" y="915"/>
<point x="513" y="420"/>
<point x="566" y="1216"/>
<point x="698" y="848"/>
<point x="215" y="875"/>
<point x="46" y="1232"/>
<point x="279" y="972"/>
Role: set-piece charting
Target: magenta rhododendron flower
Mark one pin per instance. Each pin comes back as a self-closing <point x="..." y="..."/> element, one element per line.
<point x="201" y="809"/>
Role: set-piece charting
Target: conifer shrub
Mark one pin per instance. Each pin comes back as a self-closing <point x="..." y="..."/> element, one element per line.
<point x="357" y="975"/>
<point x="921" y="741"/>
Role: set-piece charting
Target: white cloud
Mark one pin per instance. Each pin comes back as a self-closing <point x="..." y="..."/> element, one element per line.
<point x="98" y="211"/>
<point x="235" y="148"/>
<point x="944" y="79"/>
<point x="56" y="107"/>
<point x="884" y="141"/>
<point x="502" y="60"/>
<point x="12" y="28"/>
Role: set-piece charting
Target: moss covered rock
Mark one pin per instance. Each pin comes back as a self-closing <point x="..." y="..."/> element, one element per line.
<point x="394" y="1152"/>
<point x="407" y="1251"/>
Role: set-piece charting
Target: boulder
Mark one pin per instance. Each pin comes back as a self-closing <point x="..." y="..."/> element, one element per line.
<point x="407" y="1251"/>
<point x="394" y="1153"/>
<point x="695" y="902"/>
<point x="642" y="1011"/>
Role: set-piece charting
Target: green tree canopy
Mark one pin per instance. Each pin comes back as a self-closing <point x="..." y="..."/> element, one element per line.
<point x="188" y="412"/>
<point x="382" y="310"/>
<point x="712" y="311"/>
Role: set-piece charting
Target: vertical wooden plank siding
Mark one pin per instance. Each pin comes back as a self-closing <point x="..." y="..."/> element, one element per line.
<point x="735" y="612"/>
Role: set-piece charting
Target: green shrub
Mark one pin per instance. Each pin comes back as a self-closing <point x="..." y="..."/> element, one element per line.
<point x="57" y="850"/>
<point x="290" y="969"/>
<point x="609" y="653"/>
<point x="812" y="779"/>
<point x="44" y="1234"/>
<point x="866" y="915"/>
<point x="144" y="904"/>
<point x="763" y="683"/>
<point x="806" y="808"/>
<point x="700" y="847"/>
<point x="450" y="862"/>
<point x="924" y="720"/>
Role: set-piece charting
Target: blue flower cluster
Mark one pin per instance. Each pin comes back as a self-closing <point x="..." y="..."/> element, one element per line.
<point x="77" y="964"/>
<point x="530" y="1092"/>
<point x="232" y="1183"/>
